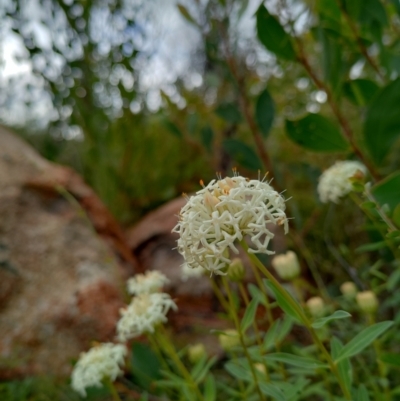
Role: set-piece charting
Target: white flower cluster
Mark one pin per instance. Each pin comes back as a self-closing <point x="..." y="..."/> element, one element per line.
<point x="146" y="283"/>
<point x="143" y="313"/>
<point x="224" y="211"/>
<point x="335" y="183"/>
<point x="188" y="272"/>
<point x="101" y="362"/>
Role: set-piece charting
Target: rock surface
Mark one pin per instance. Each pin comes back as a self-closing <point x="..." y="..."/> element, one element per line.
<point x="63" y="262"/>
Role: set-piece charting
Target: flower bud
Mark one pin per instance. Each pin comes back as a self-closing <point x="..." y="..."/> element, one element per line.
<point x="349" y="289"/>
<point x="261" y="368"/>
<point x="367" y="301"/>
<point x="316" y="306"/>
<point x="286" y="265"/>
<point x="229" y="339"/>
<point x="236" y="270"/>
<point x="196" y="352"/>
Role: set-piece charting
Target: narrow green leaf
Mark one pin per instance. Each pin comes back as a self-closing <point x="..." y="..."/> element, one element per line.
<point x="297" y="388"/>
<point x="283" y="302"/>
<point x="339" y="314"/>
<point x="393" y="234"/>
<point x="272" y="35"/>
<point x="285" y="328"/>
<point x="265" y="110"/>
<point x="396" y="214"/>
<point x="257" y="293"/>
<point x="185" y="13"/>
<point x="173" y="128"/>
<point x="296" y="360"/>
<point x="368" y="205"/>
<point x="249" y="315"/>
<point x="382" y="123"/>
<point x="238" y="371"/>
<point x="272" y="391"/>
<point x="363" y="340"/>
<point x="272" y="335"/>
<point x="315" y="132"/>
<point x="391" y="359"/>
<point x="361" y="394"/>
<point x="360" y="91"/>
<point x="374" y="246"/>
<point x="344" y="366"/>
<point x="393" y="280"/>
<point x="210" y="388"/>
<point x="242" y="153"/>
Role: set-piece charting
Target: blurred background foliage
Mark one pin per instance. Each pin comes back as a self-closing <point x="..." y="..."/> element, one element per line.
<point x="146" y="98"/>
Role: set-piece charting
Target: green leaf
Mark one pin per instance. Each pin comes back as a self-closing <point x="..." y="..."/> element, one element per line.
<point x="361" y="394"/>
<point x="283" y="302"/>
<point x="329" y="11"/>
<point x="257" y="293"/>
<point x="201" y="369"/>
<point x="360" y="91"/>
<point x="296" y="360"/>
<point x="210" y="388"/>
<point x="265" y="110"/>
<point x="185" y="13"/>
<point x="382" y="123"/>
<point x="174" y="129"/>
<point x="145" y="365"/>
<point x="242" y="153"/>
<point x="249" y="315"/>
<point x="373" y="246"/>
<point x="393" y="280"/>
<point x="387" y="191"/>
<point x="344" y="366"/>
<point x="339" y="314"/>
<point x="272" y="335"/>
<point x="298" y="387"/>
<point x="331" y="57"/>
<point x="207" y="136"/>
<point x="272" y="35"/>
<point x="238" y="371"/>
<point x="368" y="205"/>
<point x="372" y="11"/>
<point x="396" y="214"/>
<point x="317" y="133"/>
<point x="363" y="340"/>
<point x="272" y="391"/>
<point x="391" y="359"/>
<point x="229" y="112"/>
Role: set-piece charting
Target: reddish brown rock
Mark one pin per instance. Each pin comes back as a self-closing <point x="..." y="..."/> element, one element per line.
<point x="63" y="263"/>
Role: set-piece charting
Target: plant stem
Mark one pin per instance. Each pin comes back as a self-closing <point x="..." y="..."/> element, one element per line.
<point x="303" y="317"/>
<point x="359" y="41"/>
<point x="112" y="389"/>
<point x="346" y="129"/>
<point x="242" y="291"/>
<point x="219" y="295"/>
<point x="235" y="319"/>
<point x="169" y="349"/>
